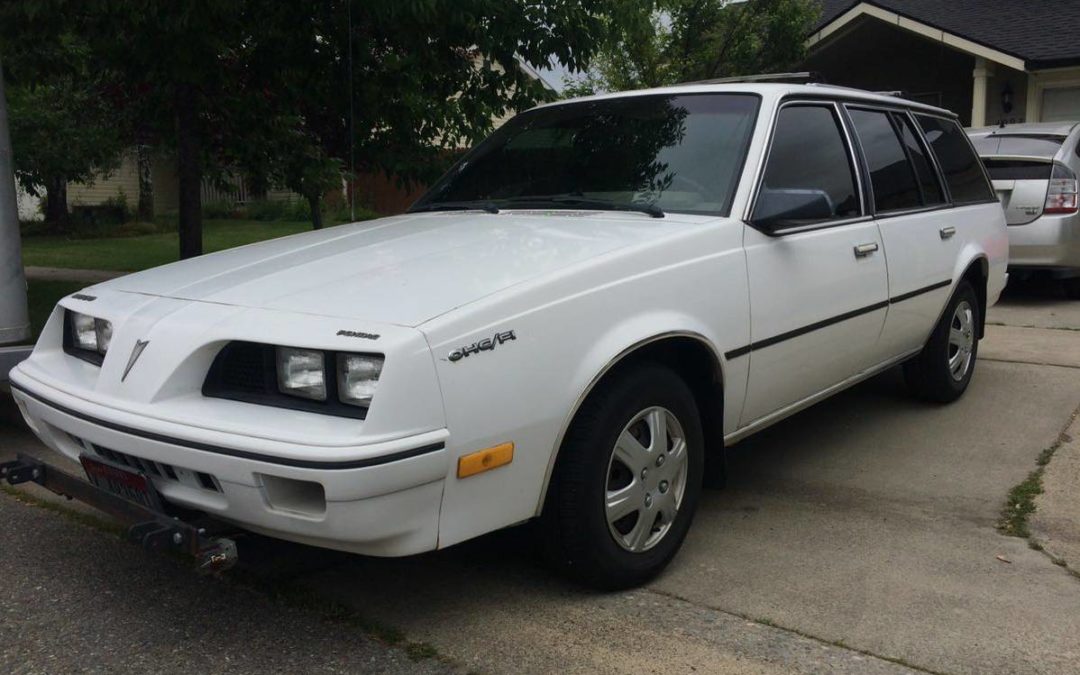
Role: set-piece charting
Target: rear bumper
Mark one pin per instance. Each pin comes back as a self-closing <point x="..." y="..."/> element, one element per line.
<point x="382" y="500"/>
<point x="1047" y="242"/>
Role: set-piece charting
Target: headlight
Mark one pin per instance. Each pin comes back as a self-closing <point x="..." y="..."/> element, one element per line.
<point x="86" y="337"/>
<point x="312" y="380"/>
<point x="301" y="372"/>
<point x="357" y="376"/>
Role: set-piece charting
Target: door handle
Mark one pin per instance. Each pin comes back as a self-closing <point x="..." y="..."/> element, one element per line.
<point x="947" y="232"/>
<point x="863" y="250"/>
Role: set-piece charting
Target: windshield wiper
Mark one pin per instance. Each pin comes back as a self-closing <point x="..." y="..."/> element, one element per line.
<point x="478" y="205"/>
<point x="591" y="203"/>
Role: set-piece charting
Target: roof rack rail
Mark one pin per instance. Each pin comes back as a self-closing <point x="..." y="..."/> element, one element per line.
<point x="805" y="77"/>
<point x="894" y="92"/>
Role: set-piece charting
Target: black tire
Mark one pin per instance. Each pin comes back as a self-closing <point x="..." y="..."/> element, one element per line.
<point x="929" y="375"/>
<point x="1072" y="288"/>
<point x="574" y="530"/>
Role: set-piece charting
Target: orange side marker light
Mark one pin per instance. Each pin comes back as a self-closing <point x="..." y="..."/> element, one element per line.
<point x="485" y="460"/>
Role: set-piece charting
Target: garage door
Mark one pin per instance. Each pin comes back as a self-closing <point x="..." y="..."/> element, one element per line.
<point x="1061" y="104"/>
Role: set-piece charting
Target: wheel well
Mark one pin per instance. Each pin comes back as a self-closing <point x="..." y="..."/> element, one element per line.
<point x="977" y="275"/>
<point x="698" y="365"/>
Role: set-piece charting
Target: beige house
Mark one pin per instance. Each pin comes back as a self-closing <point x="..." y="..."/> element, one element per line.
<point x="124" y="181"/>
<point x="990" y="61"/>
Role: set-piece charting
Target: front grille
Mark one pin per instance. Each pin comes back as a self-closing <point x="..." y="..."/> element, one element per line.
<point x="198" y="479"/>
<point x="244" y="367"/>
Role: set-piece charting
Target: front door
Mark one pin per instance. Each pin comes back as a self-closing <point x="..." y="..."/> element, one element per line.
<point x="817" y="273"/>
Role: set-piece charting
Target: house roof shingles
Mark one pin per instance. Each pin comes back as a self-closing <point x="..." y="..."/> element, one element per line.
<point x="1042" y="33"/>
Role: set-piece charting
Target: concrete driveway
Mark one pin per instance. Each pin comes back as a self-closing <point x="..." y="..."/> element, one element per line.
<point x="858" y="536"/>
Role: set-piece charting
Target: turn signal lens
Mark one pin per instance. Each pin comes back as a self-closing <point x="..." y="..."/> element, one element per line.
<point x="485" y="460"/>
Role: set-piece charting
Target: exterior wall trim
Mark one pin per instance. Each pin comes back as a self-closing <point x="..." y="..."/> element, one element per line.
<point x="927" y="31"/>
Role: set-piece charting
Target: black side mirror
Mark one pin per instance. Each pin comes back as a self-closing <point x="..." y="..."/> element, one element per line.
<point x="778" y="208"/>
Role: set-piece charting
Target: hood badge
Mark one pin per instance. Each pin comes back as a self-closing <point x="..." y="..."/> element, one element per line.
<point x="358" y="334"/>
<point x="485" y="345"/>
<point x="140" y="345"/>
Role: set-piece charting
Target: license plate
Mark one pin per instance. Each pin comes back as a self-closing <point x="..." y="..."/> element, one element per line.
<point x="121" y="481"/>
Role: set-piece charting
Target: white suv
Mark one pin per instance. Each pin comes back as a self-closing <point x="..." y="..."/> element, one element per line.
<point x="570" y="326"/>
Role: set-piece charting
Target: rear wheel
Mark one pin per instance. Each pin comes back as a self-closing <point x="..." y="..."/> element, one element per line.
<point x="942" y="371"/>
<point x="627" y="481"/>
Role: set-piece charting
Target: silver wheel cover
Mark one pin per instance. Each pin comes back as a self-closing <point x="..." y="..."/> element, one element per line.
<point x="646" y="479"/>
<point x="961" y="340"/>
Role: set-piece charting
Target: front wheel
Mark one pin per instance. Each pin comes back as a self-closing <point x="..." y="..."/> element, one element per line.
<point x="942" y="370"/>
<point x="627" y="481"/>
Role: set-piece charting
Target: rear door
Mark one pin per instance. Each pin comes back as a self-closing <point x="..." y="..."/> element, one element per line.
<point x="923" y="237"/>
<point x="818" y="285"/>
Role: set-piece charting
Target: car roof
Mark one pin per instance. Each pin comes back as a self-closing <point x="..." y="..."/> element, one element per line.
<point x="771" y="90"/>
<point x="1026" y="129"/>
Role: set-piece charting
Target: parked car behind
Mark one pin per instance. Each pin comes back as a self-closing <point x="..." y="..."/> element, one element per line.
<point x="1034" y="170"/>
<point x="584" y="310"/>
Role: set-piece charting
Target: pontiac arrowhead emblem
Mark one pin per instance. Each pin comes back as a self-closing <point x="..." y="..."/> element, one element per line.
<point x="140" y="345"/>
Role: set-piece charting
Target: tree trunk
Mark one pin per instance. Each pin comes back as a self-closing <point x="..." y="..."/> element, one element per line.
<point x="146" y="184"/>
<point x="189" y="171"/>
<point x="316" y="211"/>
<point x="56" y="210"/>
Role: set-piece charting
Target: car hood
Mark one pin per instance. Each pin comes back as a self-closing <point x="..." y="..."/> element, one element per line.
<point x="402" y="270"/>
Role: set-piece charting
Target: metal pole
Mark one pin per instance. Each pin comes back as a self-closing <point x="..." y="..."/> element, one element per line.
<point x="14" y="319"/>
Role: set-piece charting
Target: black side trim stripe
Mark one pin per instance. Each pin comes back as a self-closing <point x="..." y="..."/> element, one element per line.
<point x="769" y="342"/>
<point x="920" y="291"/>
<point x="242" y="454"/>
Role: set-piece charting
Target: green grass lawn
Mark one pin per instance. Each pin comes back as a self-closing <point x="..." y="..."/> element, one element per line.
<point x="130" y="254"/>
<point x="43" y="296"/>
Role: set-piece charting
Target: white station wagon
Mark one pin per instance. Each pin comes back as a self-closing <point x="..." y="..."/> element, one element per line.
<point x="570" y="327"/>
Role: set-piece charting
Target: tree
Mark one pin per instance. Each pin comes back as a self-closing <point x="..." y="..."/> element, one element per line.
<point x="60" y="132"/>
<point x="652" y="43"/>
<point x="62" y="126"/>
<point x="288" y="89"/>
<point x="400" y="83"/>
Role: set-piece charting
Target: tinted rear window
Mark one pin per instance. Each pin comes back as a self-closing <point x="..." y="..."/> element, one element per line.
<point x="891" y="174"/>
<point x="928" y="180"/>
<point x="1011" y="169"/>
<point x="962" y="169"/>
<point x="1023" y="146"/>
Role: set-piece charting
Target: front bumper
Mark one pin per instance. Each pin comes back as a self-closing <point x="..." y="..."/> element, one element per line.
<point x="379" y="499"/>
<point x="1047" y="242"/>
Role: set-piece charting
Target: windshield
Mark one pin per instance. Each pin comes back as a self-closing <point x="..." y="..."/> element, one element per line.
<point x="650" y="153"/>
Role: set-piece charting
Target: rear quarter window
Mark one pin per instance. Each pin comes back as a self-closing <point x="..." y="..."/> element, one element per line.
<point x="963" y="172"/>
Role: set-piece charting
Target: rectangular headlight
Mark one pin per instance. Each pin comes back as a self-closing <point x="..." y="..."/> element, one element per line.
<point x="357" y="377"/>
<point x="301" y="372"/>
<point x="87" y="337"/>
